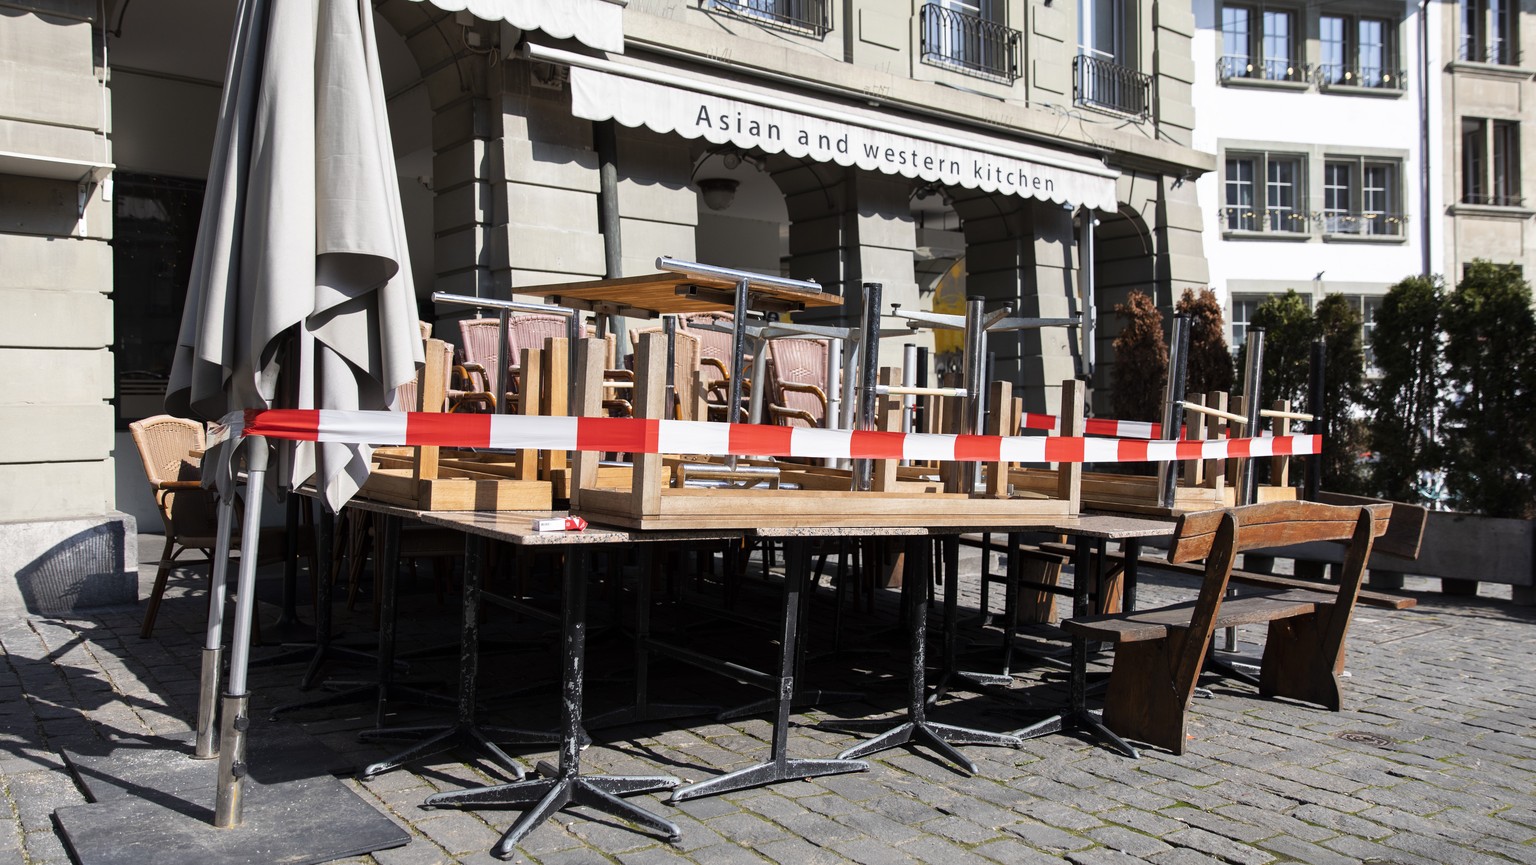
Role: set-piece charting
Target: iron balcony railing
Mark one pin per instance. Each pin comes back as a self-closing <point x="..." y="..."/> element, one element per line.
<point x="1493" y="199"/>
<point x="804" y="16"/>
<point x="1363" y="223"/>
<point x="1377" y="77"/>
<point x="1275" y="220"/>
<point x="1478" y="49"/>
<point x="969" y="44"/>
<point x="1105" y="84"/>
<point x="1237" y="66"/>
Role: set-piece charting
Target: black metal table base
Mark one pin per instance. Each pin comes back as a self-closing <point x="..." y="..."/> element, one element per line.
<point x="1075" y="716"/>
<point x="565" y="785"/>
<point x="548" y="796"/>
<point x="917" y="730"/>
<point x="462" y="738"/>
<point x="1080" y="720"/>
<point x="779" y="766"/>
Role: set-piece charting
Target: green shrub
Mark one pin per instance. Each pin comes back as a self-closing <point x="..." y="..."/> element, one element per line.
<point x="1338" y="321"/>
<point x="1403" y="404"/>
<point x="1490" y="353"/>
<point x="1289" y="330"/>
<point x="1141" y="360"/>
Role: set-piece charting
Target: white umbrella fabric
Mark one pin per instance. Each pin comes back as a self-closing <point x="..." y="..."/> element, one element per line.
<point x="301" y="273"/>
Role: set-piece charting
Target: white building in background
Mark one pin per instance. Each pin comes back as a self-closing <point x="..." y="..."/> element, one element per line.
<point x="1314" y="114"/>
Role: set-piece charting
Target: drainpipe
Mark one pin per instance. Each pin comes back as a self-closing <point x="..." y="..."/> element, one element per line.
<point x="1087" y="276"/>
<point x="605" y="139"/>
<point x="1426" y="228"/>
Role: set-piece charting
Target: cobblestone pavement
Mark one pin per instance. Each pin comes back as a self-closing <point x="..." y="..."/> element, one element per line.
<point x="1430" y="762"/>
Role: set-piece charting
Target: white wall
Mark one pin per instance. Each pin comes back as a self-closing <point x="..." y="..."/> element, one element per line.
<point x="1313" y="122"/>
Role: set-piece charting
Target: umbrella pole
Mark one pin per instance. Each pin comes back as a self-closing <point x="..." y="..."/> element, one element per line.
<point x="206" y="746"/>
<point x="232" y="767"/>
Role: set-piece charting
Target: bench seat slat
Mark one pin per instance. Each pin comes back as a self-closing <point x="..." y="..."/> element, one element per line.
<point x="1155" y="624"/>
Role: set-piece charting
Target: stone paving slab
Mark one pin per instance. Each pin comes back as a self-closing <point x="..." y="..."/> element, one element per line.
<point x="1430" y="762"/>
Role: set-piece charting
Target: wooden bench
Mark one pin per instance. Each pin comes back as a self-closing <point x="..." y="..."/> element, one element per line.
<point x="1160" y="652"/>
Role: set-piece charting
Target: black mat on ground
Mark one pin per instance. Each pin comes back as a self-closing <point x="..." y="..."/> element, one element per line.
<point x="155" y="807"/>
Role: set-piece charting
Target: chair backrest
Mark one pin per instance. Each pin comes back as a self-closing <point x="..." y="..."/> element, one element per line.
<point x="480" y="342"/>
<point x="685" y="363"/>
<point x="530" y="330"/>
<point x="165" y="443"/>
<point x="407" y="395"/>
<point x="713" y="344"/>
<point x="794" y="360"/>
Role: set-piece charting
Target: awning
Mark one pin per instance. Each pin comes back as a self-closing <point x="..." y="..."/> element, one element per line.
<point x="664" y="99"/>
<point x="594" y="23"/>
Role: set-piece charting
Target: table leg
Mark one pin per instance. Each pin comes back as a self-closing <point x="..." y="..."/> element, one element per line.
<point x="779" y="766"/>
<point x="566" y="785"/>
<point x="643" y="709"/>
<point x="463" y="734"/>
<point x="950" y="558"/>
<point x="917" y="729"/>
<point x="1076" y="715"/>
<point x="386" y="555"/>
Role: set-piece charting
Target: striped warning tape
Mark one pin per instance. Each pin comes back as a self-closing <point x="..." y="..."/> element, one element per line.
<point x="1097" y="426"/>
<point x="698" y="438"/>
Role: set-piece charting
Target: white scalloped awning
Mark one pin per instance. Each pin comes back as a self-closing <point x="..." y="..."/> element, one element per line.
<point x="594" y="23"/>
<point x="666" y="100"/>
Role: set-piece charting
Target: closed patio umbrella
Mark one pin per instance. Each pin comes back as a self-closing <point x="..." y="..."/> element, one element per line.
<point x="300" y="275"/>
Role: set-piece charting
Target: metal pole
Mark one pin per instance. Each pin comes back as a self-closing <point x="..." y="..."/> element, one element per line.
<point x="232" y="768"/>
<point x="1087" y="276"/>
<point x="869" y="368"/>
<point x="1319" y="425"/>
<point x="973" y="369"/>
<point x="1173" y="413"/>
<point x="206" y="745"/>
<point x="908" y="379"/>
<point x="1253" y="380"/>
<point x="498" y="382"/>
<point x="606" y="142"/>
<point x="834" y="417"/>
<point x="669" y="328"/>
<point x="738" y="360"/>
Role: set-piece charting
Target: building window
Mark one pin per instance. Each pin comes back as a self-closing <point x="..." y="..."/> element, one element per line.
<point x="971" y="36"/>
<point x="1105" y="73"/>
<point x="1369" y="306"/>
<point x="1239" y="315"/>
<point x="1490" y="31"/>
<point x="1490" y="162"/>
<point x="807" y="16"/>
<point x="1273" y="206"/>
<point x="1362" y="197"/>
<point x="1260" y="43"/>
<point x="1357" y="52"/>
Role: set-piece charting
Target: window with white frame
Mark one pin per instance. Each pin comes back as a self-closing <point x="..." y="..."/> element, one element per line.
<point x="1356" y="51"/>
<point x="1362" y="197"/>
<point x="1264" y="192"/>
<point x="1239" y="315"/>
<point x="1261" y="42"/>
<point x="1490" y="162"/>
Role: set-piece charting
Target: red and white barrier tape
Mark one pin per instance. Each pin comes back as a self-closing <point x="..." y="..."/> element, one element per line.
<point x="698" y="438"/>
<point x="1097" y="426"/>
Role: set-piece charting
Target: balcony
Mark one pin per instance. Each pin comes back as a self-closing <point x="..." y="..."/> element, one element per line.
<point x="969" y="44"/>
<point x="1346" y="224"/>
<point x="1277" y="222"/>
<point x="1237" y="67"/>
<point x="801" y="16"/>
<point x="1493" y="199"/>
<point x="1334" y="75"/>
<point x="1104" y="84"/>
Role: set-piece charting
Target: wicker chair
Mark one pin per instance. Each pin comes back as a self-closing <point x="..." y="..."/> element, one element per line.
<point x="714" y="358"/>
<point x="165" y="445"/>
<point x="797" y="379"/>
<point x="685" y="367"/>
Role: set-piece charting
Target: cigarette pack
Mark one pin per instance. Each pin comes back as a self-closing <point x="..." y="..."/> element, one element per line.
<point x="559" y="524"/>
